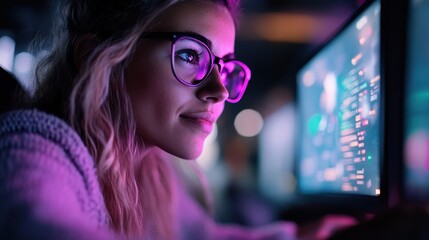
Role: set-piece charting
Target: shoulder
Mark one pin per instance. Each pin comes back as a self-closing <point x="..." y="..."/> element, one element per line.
<point x="36" y="132"/>
<point x="38" y="145"/>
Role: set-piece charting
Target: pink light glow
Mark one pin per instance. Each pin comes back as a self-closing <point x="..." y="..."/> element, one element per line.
<point x="416" y="150"/>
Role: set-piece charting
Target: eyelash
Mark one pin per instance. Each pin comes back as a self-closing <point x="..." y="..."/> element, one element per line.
<point x="190" y="51"/>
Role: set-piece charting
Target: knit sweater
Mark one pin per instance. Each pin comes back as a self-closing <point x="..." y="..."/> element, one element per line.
<point x="48" y="182"/>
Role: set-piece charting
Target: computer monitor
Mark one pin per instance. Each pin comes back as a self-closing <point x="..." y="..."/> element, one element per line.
<point x="340" y="109"/>
<point x="416" y="109"/>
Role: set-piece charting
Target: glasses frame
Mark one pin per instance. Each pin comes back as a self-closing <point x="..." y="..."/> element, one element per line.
<point x="214" y="60"/>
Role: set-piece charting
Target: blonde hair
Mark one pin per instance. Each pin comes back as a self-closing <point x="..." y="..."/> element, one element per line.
<point x="95" y="102"/>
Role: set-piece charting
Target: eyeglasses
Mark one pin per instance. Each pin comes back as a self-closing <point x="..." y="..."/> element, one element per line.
<point x="192" y="61"/>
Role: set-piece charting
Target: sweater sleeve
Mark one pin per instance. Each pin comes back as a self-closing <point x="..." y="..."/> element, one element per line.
<point x="42" y="194"/>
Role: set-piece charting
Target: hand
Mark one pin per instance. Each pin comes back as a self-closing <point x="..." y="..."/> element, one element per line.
<point x="324" y="228"/>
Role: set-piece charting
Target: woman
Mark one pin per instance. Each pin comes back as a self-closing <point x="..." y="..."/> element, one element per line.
<point x="127" y="83"/>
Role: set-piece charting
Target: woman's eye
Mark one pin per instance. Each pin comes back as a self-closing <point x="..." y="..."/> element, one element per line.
<point x="189" y="56"/>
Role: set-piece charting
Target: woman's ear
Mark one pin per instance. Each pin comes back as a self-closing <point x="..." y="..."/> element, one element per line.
<point x="82" y="48"/>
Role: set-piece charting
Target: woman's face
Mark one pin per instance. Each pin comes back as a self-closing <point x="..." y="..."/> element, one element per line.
<point x="170" y="115"/>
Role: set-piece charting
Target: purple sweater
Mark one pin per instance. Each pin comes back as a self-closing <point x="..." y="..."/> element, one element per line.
<point x="48" y="183"/>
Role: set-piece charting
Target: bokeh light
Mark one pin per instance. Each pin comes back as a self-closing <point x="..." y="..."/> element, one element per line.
<point x="23" y="69"/>
<point x="248" y="123"/>
<point x="7" y="51"/>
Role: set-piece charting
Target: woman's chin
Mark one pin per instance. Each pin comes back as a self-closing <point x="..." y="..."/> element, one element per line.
<point x="191" y="156"/>
<point x="186" y="154"/>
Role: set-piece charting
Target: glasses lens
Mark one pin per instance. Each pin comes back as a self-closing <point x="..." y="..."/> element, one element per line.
<point x="234" y="76"/>
<point x="191" y="61"/>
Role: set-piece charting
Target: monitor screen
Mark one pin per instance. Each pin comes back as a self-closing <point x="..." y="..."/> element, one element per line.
<point x="340" y="109"/>
<point x="416" y="118"/>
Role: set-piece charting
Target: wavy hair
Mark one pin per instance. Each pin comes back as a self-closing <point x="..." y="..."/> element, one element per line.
<point x="94" y="100"/>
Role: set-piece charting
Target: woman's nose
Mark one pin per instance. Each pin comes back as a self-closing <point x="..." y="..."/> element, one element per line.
<point x="213" y="89"/>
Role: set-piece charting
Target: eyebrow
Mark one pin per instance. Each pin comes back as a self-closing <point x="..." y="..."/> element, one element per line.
<point x="201" y="38"/>
<point x="209" y="43"/>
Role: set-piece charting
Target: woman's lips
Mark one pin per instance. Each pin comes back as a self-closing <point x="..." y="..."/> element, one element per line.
<point x="201" y="120"/>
